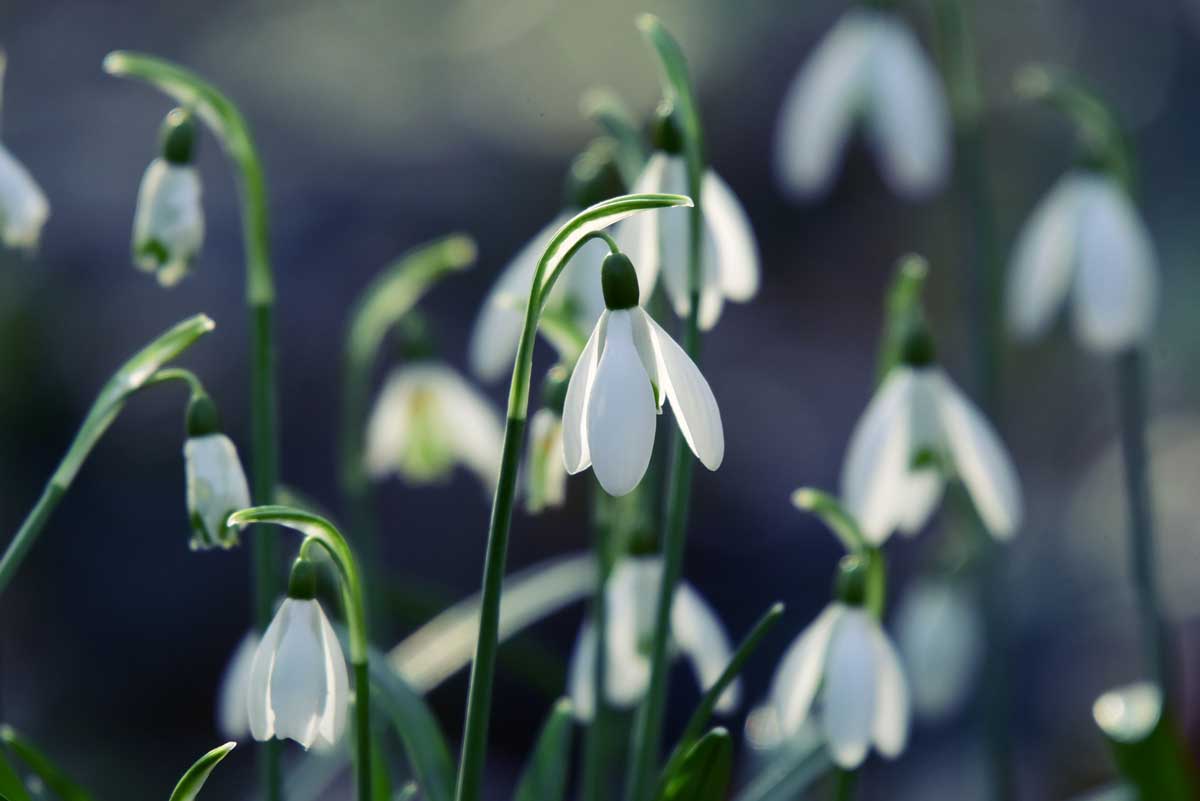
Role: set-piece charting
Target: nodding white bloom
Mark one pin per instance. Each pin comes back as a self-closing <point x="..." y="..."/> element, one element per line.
<point x="729" y="261"/>
<point x="546" y="477"/>
<point x="168" y="225"/>
<point x="1085" y="239"/>
<point x="23" y="206"/>
<point x="233" y="717"/>
<point x="844" y="670"/>
<point x="428" y="419"/>
<point x="869" y="67"/>
<point x="631" y="598"/>
<point x="298" y="685"/>
<point x="940" y="635"/>
<point x="629" y="365"/>
<point x="216" y="487"/>
<point x="918" y="430"/>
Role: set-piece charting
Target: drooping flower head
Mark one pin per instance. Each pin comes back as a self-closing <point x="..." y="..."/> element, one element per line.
<point x="629" y="366"/>
<point x="23" y="206"/>
<point x="729" y="262"/>
<point x="869" y="69"/>
<point x="631" y="600"/>
<point x="940" y="634"/>
<point x="216" y="483"/>
<point x="545" y="476"/>
<point x="168" y="225"/>
<point x="233" y="717"/>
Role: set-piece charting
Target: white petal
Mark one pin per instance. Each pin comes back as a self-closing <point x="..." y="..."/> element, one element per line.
<point x="299" y="683"/>
<point x="472" y="425"/>
<point x="691" y="398"/>
<point x="981" y="461"/>
<point x="700" y="636"/>
<point x="821" y="105"/>
<point x="332" y="721"/>
<point x="233" y="719"/>
<point x="849" y="694"/>
<point x="389" y="425"/>
<point x="638" y="237"/>
<point x="631" y="599"/>
<point x="908" y="121"/>
<point x="168" y="225"/>
<point x="890" y="729"/>
<point x="875" y="473"/>
<point x="620" y="415"/>
<point x="923" y="490"/>
<point x="1116" y="281"/>
<point x="545" y="478"/>
<point x="581" y="674"/>
<point x="258" y="695"/>
<point x="674" y="231"/>
<point x="576" y="454"/>
<point x="23" y="206"/>
<point x="1043" y="259"/>
<point x="216" y="487"/>
<point x="729" y="226"/>
<point x="799" y="672"/>
<point x="939" y="633"/>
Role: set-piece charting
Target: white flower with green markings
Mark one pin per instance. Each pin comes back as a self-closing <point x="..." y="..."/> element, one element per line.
<point x="168" y="225"/>
<point x="216" y="482"/>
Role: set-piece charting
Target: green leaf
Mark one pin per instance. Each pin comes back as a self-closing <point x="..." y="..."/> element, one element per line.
<point x="58" y="782"/>
<point x="195" y="777"/>
<point x="786" y="776"/>
<point x="901" y="308"/>
<point x="381" y="776"/>
<point x="606" y="109"/>
<point x="677" y="89"/>
<point x="418" y="729"/>
<point x="1147" y="747"/>
<point x="10" y="783"/>
<point x="545" y="777"/>
<point x="704" y="772"/>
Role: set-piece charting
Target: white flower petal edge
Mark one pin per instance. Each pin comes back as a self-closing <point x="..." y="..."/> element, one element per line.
<point x="631" y="596"/>
<point x="471" y="423"/>
<point x="23" y="206"/>
<point x="890" y="727"/>
<point x="216" y="487"/>
<point x="799" y="673"/>
<point x="233" y="718"/>
<point x="939" y="630"/>
<point x="1116" y="280"/>
<point x="849" y="696"/>
<point x="389" y="425"/>
<point x="577" y="456"/>
<point x="875" y="479"/>
<point x="581" y="673"/>
<point x="733" y="239"/>
<point x="699" y="635"/>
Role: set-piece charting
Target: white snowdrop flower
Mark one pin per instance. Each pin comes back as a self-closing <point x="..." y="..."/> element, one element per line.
<point x="428" y="419"/>
<point x="631" y="598"/>
<point x="546" y="477"/>
<point x="629" y="365"/>
<point x="869" y="67"/>
<point x="233" y="717"/>
<point x="844" y="670"/>
<point x="168" y="225"/>
<point x="216" y="482"/>
<point x="918" y="430"/>
<point x="23" y="206"/>
<point x="1085" y="240"/>
<point x="940" y="635"/>
<point x="660" y="242"/>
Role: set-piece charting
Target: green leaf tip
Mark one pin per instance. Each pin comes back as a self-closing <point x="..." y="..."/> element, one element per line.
<point x="194" y="778"/>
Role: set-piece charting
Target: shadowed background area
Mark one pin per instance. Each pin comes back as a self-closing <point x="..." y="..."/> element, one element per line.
<point x="386" y="124"/>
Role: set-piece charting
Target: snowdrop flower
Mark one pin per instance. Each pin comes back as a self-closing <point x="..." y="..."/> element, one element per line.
<point x="940" y="635"/>
<point x="298" y="686"/>
<point x="729" y="258"/>
<point x="869" y="68"/>
<point x="168" y="225"/>
<point x="918" y="429"/>
<point x="233" y="718"/>
<point x="845" y="667"/>
<point x="428" y="419"/>
<point x="626" y="369"/>
<point x="631" y="600"/>
<point x="23" y="206"/>
<point x="216" y="483"/>
<point x="1085" y="240"/>
<point x="545" y="477"/>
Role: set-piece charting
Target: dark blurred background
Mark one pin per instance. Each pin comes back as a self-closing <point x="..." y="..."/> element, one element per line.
<point x="385" y="124"/>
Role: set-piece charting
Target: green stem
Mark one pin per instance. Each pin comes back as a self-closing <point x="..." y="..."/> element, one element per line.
<point x="362" y="730"/>
<point x="1131" y="390"/>
<point x="30" y="530"/>
<point x="596" y="742"/>
<point x="844" y="784"/>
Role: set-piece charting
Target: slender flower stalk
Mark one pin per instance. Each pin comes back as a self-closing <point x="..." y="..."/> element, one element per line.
<point x="229" y="126"/>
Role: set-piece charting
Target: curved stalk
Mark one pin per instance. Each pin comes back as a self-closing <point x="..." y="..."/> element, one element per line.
<point x="566" y="241"/>
<point x="140" y="371"/>
<point x="319" y="531"/>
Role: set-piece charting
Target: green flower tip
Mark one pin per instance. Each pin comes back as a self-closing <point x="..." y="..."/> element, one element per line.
<point x="665" y="132"/>
<point x="620" y="282"/>
<point x="594" y="176"/>
<point x="114" y="62"/>
<point x="178" y="136"/>
<point x="850" y="585"/>
<point x="1129" y="714"/>
<point x="202" y="416"/>
<point x="554" y="388"/>
<point x="917" y="348"/>
<point x="461" y="250"/>
<point x="302" y="582"/>
<point x="1033" y="82"/>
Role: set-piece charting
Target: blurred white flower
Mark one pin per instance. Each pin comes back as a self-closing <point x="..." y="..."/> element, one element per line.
<point x="627" y="367"/>
<point x="940" y="635"/>
<point x="23" y="206"/>
<point x="216" y="487"/>
<point x="631" y="598"/>
<point x="168" y="226"/>
<point x="1085" y="239"/>
<point x="428" y="419"/>
<point x="869" y="67"/>
<point x="233" y="717"/>
<point x="729" y="259"/>
<point x="298" y="686"/>
<point x="918" y="429"/>
<point x="545" y="476"/>
<point x="846" y="659"/>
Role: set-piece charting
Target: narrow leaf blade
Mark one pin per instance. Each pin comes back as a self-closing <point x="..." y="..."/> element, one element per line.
<point x="419" y="732"/>
<point x="545" y="777"/>
<point x="705" y="772"/>
<point x="58" y="782"/>
<point x="195" y="777"/>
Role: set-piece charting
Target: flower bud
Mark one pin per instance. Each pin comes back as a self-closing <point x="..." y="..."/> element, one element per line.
<point x="216" y="483"/>
<point x="620" y="282"/>
<point x="168" y="225"/>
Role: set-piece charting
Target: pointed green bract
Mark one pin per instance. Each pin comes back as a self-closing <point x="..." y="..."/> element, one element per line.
<point x="705" y="771"/>
<point x="195" y="777"/>
<point x="545" y="775"/>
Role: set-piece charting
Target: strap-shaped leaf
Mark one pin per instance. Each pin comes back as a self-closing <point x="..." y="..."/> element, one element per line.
<point x="705" y="771"/>
<point x="195" y="777"/>
<point x="59" y="783"/>
<point x="545" y="776"/>
<point x="419" y="732"/>
<point x="790" y="773"/>
<point x="11" y="786"/>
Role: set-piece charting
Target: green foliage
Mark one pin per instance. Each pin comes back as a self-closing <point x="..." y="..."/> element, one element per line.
<point x="58" y="782"/>
<point x="705" y="771"/>
<point x="545" y="776"/>
<point x="195" y="777"/>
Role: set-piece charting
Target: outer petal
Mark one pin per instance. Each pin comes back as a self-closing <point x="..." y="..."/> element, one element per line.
<point x="299" y="682"/>
<point x="23" y="206"/>
<point x="875" y="473"/>
<point x="1116" y="282"/>
<point x="631" y="596"/>
<point x="939" y="633"/>
<point x="674" y="231"/>
<point x="907" y="117"/>
<point x="736" y="251"/>
<point x="890" y="729"/>
<point x="545" y="478"/>
<point x="471" y="424"/>
<point x="620" y="417"/>
<point x="691" y="399"/>
<point x="216" y="486"/>
<point x="1044" y="256"/>
<point x="820" y="107"/>
<point x="923" y="491"/>
<point x="980" y="459"/>
<point x="258" y="696"/>
<point x="702" y="639"/>
<point x="168" y="225"/>
<point x="581" y="672"/>
<point x="638" y="236"/>
<point x="849" y="695"/>
<point x="390" y="424"/>
<point x="233" y="719"/>
<point x="332" y="721"/>
<point x="799" y="673"/>
<point x="576" y="454"/>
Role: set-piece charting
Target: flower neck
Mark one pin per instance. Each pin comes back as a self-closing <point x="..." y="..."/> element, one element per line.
<point x="620" y="282"/>
<point x="178" y="137"/>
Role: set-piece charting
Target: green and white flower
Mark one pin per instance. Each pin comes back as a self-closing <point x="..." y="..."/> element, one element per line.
<point x="546" y="477"/>
<point x="23" y="206"/>
<point x="868" y="68"/>
<point x="1085" y="240"/>
<point x="168" y="225"/>
<point x="216" y="487"/>
<point x="939" y="631"/>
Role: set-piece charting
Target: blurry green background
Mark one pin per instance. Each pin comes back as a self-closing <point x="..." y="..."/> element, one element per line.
<point x="385" y="124"/>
